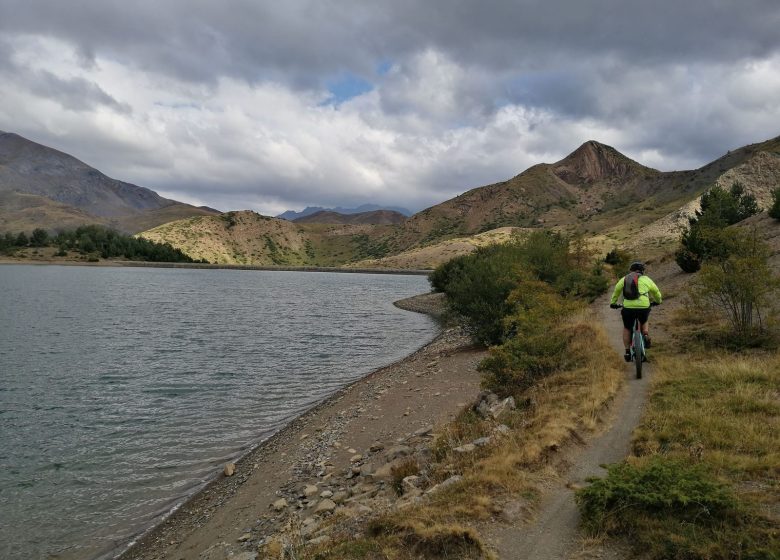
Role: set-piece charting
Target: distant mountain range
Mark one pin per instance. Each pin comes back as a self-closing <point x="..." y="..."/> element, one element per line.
<point x="292" y="215"/>
<point x="43" y="187"/>
<point x="372" y="217"/>
<point x="595" y="191"/>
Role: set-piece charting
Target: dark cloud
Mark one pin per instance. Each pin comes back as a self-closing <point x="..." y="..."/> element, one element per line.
<point x="307" y="41"/>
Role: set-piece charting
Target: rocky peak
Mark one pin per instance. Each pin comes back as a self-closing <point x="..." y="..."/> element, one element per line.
<point x="593" y="162"/>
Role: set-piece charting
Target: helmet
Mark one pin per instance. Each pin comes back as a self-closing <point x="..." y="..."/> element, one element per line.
<point x="636" y="267"/>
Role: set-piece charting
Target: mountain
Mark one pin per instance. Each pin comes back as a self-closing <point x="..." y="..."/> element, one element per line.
<point x="292" y="215"/>
<point x="372" y="217"/>
<point x="43" y="187"/>
<point x="595" y="189"/>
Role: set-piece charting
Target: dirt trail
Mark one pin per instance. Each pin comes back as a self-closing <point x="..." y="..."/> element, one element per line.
<point x="554" y="534"/>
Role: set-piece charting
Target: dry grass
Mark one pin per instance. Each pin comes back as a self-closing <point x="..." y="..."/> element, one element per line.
<point x="721" y="413"/>
<point x="512" y="466"/>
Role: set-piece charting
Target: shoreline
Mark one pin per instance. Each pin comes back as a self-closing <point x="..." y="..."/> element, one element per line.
<point x="282" y="462"/>
<point x="203" y="266"/>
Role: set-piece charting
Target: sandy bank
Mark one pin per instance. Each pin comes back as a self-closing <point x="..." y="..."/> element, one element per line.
<point x="232" y="515"/>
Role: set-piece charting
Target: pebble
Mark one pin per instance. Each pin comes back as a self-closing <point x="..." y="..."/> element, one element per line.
<point x="229" y="470"/>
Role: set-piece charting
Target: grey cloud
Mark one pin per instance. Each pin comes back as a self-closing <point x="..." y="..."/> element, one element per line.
<point x="301" y="42"/>
<point x="75" y="94"/>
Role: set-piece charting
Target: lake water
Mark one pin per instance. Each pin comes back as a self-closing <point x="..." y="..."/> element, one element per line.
<point x="123" y="390"/>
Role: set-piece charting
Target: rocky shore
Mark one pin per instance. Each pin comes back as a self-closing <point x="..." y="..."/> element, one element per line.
<point x="340" y="459"/>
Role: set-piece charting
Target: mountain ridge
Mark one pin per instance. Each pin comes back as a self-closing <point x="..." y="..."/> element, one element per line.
<point x="292" y="215"/>
<point x="81" y="193"/>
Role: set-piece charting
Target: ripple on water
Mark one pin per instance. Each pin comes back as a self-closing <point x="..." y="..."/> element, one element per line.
<point x="115" y="410"/>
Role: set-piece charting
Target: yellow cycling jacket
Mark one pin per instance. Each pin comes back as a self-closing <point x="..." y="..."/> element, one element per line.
<point x="647" y="291"/>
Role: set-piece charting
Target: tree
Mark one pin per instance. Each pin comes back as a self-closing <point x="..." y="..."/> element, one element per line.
<point x="39" y="238"/>
<point x="774" y="210"/>
<point x="738" y="286"/>
<point x="22" y="240"/>
<point x="703" y="239"/>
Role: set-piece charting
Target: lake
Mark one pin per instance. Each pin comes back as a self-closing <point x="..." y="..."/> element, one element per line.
<point x="124" y="390"/>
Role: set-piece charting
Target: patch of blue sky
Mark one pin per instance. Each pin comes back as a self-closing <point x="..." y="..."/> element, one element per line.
<point x="346" y="87"/>
<point x="384" y="67"/>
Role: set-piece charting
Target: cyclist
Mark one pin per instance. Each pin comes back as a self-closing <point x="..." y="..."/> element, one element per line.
<point x="640" y="294"/>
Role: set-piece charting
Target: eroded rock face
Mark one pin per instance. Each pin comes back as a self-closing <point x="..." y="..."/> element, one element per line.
<point x="593" y="162"/>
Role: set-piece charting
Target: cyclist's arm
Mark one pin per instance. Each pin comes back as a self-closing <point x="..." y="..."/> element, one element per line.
<point x="618" y="291"/>
<point x="655" y="293"/>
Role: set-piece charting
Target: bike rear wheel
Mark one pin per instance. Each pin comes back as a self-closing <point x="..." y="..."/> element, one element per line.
<point x="638" y="344"/>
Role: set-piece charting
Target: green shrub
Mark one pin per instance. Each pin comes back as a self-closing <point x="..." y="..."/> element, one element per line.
<point x="740" y="287"/>
<point x="706" y="237"/>
<point x="620" y="261"/>
<point x="774" y="210"/>
<point x="536" y="340"/>
<point x="670" y="509"/>
<point x="477" y="285"/>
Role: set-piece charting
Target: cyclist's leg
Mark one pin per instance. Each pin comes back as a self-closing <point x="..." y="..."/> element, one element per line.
<point x="644" y="325"/>
<point x="626" y="338"/>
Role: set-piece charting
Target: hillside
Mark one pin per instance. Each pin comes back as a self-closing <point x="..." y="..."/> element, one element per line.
<point x="431" y="256"/>
<point x="379" y="217"/>
<point x="595" y="190"/>
<point x="43" y="187"/>
<point x="243" y="237"/>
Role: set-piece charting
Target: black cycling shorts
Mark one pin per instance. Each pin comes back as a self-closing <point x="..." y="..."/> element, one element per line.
<point x="629" y="315"/>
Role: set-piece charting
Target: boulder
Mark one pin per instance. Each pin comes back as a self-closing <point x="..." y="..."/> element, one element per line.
<point x="325" y="506"/>
<point x="396" y="452"/>
<point x="502" y="406"/>
<point x="310" y="490"/>
<point x="447" y="483"/>
<point x="229" y="470"/>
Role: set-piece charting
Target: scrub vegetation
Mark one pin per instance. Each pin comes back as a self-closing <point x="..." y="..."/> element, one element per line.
<point x="94" y="242"/>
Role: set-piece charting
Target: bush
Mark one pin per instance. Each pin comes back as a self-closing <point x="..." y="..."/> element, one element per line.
<point x="620" y="261"/>
<point x="537" y="339"/>
<point x="774" y="210"/>
<point x="739" y="287"/>
<point x="670" y="509"/>
<point x="706" y="237"/>
<point x="477" y="285"/>
<point x="661" y="487"/>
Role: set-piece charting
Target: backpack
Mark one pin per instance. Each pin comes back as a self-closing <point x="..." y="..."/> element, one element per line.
<point x="631" y="286"/>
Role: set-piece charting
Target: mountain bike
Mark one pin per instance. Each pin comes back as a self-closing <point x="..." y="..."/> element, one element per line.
<point x="637" y="348"/>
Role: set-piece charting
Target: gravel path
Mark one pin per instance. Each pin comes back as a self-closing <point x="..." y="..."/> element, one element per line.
<point x="554" y="534"/>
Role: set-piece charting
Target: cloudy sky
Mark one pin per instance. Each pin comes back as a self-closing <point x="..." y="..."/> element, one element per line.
<point x="278" y="105"/>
